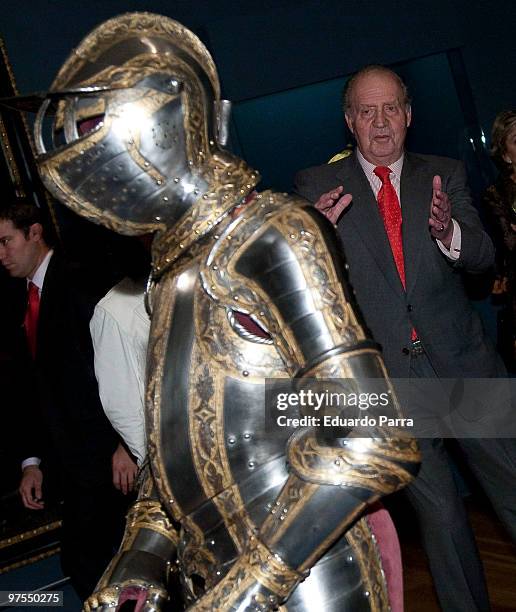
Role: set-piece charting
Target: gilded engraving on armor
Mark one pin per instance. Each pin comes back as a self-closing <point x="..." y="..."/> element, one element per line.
<point x="227" y="287"/>
<point x="219" y="341"/>
<point x="158" y="339"/>
<point x="209" y="449"/>
<point x="148" y="514"/>
<point x="258" y="564"/>
<point x="206" y="392"/>
<point x="305" y="239"/>
<point x="270" y="570"/>
<point x="303" y="235"/>
<point x="345" y="466"/>
<point x="123" y="28"/>
<point x="366" y="552"/>
<point x="283" y="512"/>
<point x="197" y="559"/>
<point x="230" y="182"/>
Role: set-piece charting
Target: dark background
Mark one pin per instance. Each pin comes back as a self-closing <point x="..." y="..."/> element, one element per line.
<point x="283" y="63"/>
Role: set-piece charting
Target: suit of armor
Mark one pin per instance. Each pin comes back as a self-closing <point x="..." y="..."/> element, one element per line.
<point x="249" y="520"/>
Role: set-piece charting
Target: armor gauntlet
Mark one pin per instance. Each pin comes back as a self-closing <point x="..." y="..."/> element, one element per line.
<point x="291" y="262"/>
<point x="140" y="570"/>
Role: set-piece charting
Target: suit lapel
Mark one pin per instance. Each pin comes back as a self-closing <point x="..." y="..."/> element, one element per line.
<point x="416" y="193"/>
<point x="367" y="221"/>
<point x="46" y="306"/>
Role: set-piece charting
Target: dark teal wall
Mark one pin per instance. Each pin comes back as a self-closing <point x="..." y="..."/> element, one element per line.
<point x="283" y="62"/>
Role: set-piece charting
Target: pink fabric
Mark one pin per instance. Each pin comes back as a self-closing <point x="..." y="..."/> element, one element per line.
<point x="137" y="594"/>
<point x="381" y="525"/>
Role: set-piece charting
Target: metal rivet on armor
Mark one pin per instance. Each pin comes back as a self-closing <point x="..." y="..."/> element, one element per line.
<point x="337" y="462"/>
<point x="247" y="436"/>
<point x="181" y="245"/>
<point x="167" y="259"/>
<point x="228" y="237"/>
<point x="262" y="205"/>
<point x="278" y="503"/>
<point x="190" y="162"/>
<point x="158" y="218"/>
<point x="366" y="593"/>
<point x="245" y="373"/>
<point x="285" y="510"/>
<point x="292" y="236"/>
<point x="231" y="440"/>
<point x="235" y="297"/>
<point x="350" y="558"/>
<point x="218" y="572"/>
<point x="117" y="588"/>
<point x="176" y="180"/>
<point x="282" y="518"/>
<point x="196" y="192"/>
<point x="146" y="164"/>
<point x="82" y="151"/>
<point x="212" y="542"/>
<point x="216" y="236"/>
<point x="215" y="267"/>
<point x="251" y="464"/>
<point x="159" y="182"/>
<point x="204" y="197"/>
<point x="228" y="173"/>
<point x="242" y="191"/>
<point x="165" y="198"/>
<point x="171" y="501"/>
<point x="197" y="232"/>
<point x="211" y="144"/>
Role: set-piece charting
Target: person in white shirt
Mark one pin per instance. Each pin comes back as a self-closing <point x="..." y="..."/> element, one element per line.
<point x="119" y="331"/>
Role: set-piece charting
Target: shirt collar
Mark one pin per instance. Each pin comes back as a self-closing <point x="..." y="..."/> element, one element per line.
<point x="368" y="167"/>
<point x="39" y="275"/>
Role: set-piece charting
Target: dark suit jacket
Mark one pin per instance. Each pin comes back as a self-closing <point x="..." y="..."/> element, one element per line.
<point x="69" y="423"/>
<point x="435" y="302"/>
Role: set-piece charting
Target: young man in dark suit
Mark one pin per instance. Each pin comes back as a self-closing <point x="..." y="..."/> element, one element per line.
<point x="66" y="426"/>
<point x="409" y="231"/>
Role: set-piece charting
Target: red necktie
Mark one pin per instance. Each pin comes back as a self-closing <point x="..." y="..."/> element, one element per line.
<point x="31" y="317"/>
<point x="390" y="210"/>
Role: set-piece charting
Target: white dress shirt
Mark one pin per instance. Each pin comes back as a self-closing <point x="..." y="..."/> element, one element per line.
<point x="120" y="332"/>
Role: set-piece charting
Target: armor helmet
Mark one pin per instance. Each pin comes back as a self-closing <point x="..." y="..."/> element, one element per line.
<point x="137" y="130"/>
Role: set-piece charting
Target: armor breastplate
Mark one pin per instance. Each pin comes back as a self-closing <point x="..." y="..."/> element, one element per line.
<point x="216" y="469"/>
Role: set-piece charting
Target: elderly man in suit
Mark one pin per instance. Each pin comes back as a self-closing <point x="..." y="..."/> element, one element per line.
<point x="409" y="231"/>
<point x="67" y="427"/>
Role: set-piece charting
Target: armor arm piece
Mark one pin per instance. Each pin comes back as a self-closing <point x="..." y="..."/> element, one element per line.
<point x="140" y="569"/>
<point x="292" y="265"/>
